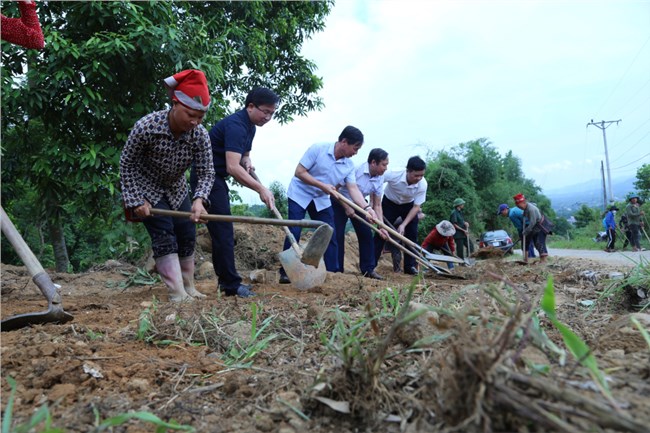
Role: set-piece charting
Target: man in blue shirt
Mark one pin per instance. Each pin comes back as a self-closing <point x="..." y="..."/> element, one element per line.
<point x="321" y="169"/>
<point x="610" y="226"/>
<point x="232" y="141"/>
<point x="370" y="181"/>
<point x="516" y="216"/>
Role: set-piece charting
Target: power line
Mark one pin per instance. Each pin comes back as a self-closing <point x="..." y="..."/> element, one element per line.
<point x="624" y="74"/>
<point x="628" y="164"/>
<point x="631" y="147"/>
<point x="604" y="125"/>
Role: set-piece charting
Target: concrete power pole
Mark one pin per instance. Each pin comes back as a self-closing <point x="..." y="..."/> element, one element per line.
<point x="602" y="176"/>
<point x="603" y="125"/>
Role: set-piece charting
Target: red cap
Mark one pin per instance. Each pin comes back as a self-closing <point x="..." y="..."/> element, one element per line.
<point x="519" y="198"/>
<point x="190" y="88"/>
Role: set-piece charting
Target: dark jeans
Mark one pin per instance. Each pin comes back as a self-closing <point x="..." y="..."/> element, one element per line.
<point x="461" y="246"/>
<point x="611" y="238"/>
<point x="296" y="212"/>
<point x="222" y="235"/>
<point x="538" y="238"/>
<point x="635" y="235"/>
<point x="392" y="211"/>
<point x="171" y="235"/>
<point x="364" y="235"/>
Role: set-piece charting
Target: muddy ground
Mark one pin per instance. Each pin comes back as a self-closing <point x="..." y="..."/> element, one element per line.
<point x="319" y="364"/>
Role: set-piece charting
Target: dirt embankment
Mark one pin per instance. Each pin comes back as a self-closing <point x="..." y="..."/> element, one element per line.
<point x="330" y="359"/>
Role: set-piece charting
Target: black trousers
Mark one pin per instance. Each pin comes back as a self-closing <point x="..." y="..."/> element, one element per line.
<point x="222" y="235"/>
<point x="392" y="211"/>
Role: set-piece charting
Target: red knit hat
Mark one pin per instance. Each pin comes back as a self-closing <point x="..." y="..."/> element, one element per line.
<point x="190" y="88"/>
<point x="519" y="198"/>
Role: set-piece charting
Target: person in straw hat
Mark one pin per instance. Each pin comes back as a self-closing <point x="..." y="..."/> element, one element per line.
<point x="441" y="238"/>
<point x="160" y="148"/>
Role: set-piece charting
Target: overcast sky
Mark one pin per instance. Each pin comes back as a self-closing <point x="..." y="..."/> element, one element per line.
<point x="423" y="75"/>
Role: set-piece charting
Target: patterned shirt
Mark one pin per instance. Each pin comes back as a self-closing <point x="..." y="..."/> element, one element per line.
<point x="24" y="31"/>
<point x="153" y="162"/>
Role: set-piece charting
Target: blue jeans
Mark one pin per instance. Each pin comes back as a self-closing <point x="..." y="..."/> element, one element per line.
<point x="364" y="236"/>
<point x="296" y="212"/>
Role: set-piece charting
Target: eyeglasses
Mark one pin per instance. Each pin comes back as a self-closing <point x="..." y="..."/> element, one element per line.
<point x="267" y="113"/>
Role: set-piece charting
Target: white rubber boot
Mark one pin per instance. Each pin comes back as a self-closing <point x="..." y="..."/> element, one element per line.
<point x="169" y="269"/>
<point x="187" y="270"/>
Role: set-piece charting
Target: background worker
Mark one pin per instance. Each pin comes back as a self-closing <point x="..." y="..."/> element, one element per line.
<point x="634" y="213"/>
<point x="160" y="148"/>
<point x="441" y="238"/>
<point x="404" y="193"/>
<point x="232" y="141"/>
<point x="461" y="237"/>
<point x="370" y="182"/>
<point x="610" y="227"/>
<point x="538" y="228"/>
<point x="516" y="216"/>
<point x="321" y="168"/>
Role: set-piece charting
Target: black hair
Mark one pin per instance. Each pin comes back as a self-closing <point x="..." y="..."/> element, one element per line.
<point x="352" y="135"/>
<point x="377" y="155"/>
<point x="415" y="163"/>
<point x="261" y="96"/>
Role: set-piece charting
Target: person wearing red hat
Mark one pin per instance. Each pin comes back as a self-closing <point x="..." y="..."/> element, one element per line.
<point x="160" y="148"/>
<point x="24" y="31"/>
<point x="232" y="142"/>
<point x="538" y="226"/>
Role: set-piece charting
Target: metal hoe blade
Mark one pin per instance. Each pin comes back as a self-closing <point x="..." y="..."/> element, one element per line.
<point x="313" y="252"/>
<point x="302" y="276"/>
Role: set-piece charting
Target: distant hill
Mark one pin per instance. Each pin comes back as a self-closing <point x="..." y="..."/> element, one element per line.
<point x="567" y="200"/>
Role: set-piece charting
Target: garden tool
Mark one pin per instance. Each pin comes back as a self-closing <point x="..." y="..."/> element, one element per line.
<point x="54" y="312"/>
<point x="524" y="248"/>
<point x="451" y="258"/>
<point x="437" y="269"/>
<point x="469" y="261"/>
<point x="313" y="252"/>
<point x="303" y="276"/>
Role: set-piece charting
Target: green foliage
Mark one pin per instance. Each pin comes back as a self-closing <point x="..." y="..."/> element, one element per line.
<point x="574" y="343"/>
<point x="642" y="184"/>
<point x="41" y="419"/>
<point x="161" y="426"/>
<point x="241" y="353"/>
<point x="65" y="119"/>
<point x="281" y="201"/>
<point x="141" y="277"/>
<point x="585" y="216"/>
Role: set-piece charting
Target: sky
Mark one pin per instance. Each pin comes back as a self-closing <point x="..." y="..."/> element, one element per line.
<point x="419" y="76"/>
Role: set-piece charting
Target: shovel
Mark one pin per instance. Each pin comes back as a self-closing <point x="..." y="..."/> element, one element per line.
<point x="302" y="275"/>
<point x="54" y="312"/>
<point x="438" y="270"/>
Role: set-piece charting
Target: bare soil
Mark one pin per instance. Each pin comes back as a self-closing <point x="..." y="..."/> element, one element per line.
<point x="188" y="366"/>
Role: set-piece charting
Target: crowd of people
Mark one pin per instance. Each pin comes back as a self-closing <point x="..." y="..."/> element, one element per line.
<point x="164" y="144"/>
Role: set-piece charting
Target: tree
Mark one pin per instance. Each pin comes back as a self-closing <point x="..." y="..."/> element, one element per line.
<point x="642" y="184"/>
<point x="68" y="116"/>
<point x="584" y="216"/>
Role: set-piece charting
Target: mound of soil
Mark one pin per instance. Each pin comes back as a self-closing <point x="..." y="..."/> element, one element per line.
<point x="335" y="358"/>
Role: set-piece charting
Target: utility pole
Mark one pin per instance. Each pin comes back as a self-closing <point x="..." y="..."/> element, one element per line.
<point x="602" y="176"/>
<point x="603" y="125"/>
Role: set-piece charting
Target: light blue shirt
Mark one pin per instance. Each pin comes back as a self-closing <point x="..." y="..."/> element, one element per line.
<point x="320" y="163"/>
<point x="366" y="184"/>
<point x="400" y="192"/>
<point x="516" y="215"/>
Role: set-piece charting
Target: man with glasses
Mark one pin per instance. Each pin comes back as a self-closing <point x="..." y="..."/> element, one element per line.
<point x="232" y="140"/>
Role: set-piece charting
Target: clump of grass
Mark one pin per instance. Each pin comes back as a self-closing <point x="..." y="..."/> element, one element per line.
<point x="241" y="353"/>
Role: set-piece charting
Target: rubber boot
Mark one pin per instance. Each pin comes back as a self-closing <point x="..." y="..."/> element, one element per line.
<point x="169" y="269"/>
<point x="187" y="271"/>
